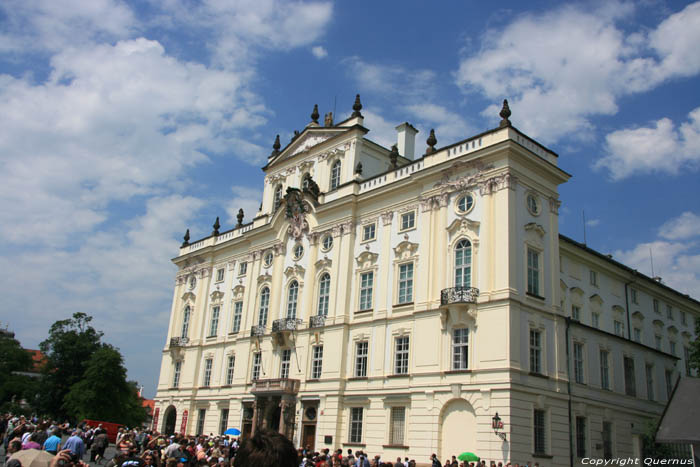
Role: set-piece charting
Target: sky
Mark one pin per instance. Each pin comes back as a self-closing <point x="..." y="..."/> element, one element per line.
<point x="122" y="123"/>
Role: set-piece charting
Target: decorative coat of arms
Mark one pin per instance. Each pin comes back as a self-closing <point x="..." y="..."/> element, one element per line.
<point x="295" y="211"/>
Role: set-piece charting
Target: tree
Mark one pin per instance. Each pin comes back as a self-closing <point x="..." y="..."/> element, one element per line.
<point x="694" y="360"/>
<point x="104" y="393"/>
<point x="13" y="360"/>
<point x="71" y="343"/>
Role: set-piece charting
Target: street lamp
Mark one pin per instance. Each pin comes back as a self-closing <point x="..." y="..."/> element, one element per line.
<point x="497" y="424"/>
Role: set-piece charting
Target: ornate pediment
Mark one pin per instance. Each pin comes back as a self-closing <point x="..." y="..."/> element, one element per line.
<point x="536" y="228"/>
<point x="596" y="300"/>
<point x="367" y="259"/>
<point x="294" y="271"/>
<point x="464" y="226"/>
<point x="307" y="141"/>
<point x="216" y="296"/>
<point x="238" y="291"/>
<point x="264" y="278"/>
<point x="188" y="296"/>
<point x="323" y="263"/>
<point x="405" y="249"/>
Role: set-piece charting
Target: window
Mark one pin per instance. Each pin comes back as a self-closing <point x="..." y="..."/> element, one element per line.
<point x="408" y="220"/>
<point x="284" y="363"/>
<point x="324" y="291"/>
<point x="176" y="373"/>
<point x="460" y="349"/>
<point x="257" y="363"/>
<point x="637" y="334"/>
<point x="657" y="342"/>
<point x="533" y="272"/>
<point x="619" y="328"/>
<point x="463" y="263"/>
<point x="223" y="422"/>
<point x="219" y="275"/>
<point x="278" y="197"/>
<point x="366" y="282"/>
<point x="630" y="384"/>
<point x="607" y="440"/>
<point x="207" y="372"/>
<point x="298" y="251"/>
<point x="368" y="232"/>
<point x="335" y="175"/>
<point x="214" y="325"/>
<point x="242" y="268"/>
<point x="292" y="297"/>
<point x="669" y="312"/>
<point x="594" y="278"/>
<point x="656" y="306"/>
<point x="535" y="351"/>
<point x="684" y="318"/>
<point x="633" y="292"/>
<point x="406" y="283"/>
<point x="356" y="425"/>
<point x="327" y="243"/>
<point x="669" y="383"/>
<point x="267" y="259"/>
<point x="186" y="322"/>
<point x="539" y="432"/>
<point x="361" y="351"/>
<point x="264" y="306"/>
<point x="229" y="369"/>
<point x="317" y="362"/>
<point x="401" y="359"/>
<point x="193" y="282"/>
<point x="578" y="362"/>
<point x="237" y="316"/>
<point x="200" y="421"/>
<point x="595" y="319"/>
<point x="672" y="347"/>
<point x="576" y="312"/>
<point x="580" y="436"/>
<point x="686" y="355"/>
<point x="604" y="369"/>
<point x="397" y="426"/>
<point x="465" y="203"/>
<point x="650" y="381"/>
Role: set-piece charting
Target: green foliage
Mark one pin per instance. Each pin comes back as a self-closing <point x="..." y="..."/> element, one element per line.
<point x="652" y="449"/>
<point x="695" y="348"/>
<point x="104" y="393"/>
<point x="13" y="359"/>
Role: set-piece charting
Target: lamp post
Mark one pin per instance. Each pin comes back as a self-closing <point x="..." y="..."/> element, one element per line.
<point x="497" y="424"/>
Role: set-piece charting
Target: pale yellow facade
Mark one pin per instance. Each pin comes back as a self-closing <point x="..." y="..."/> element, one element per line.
<point x="447" y="295"/>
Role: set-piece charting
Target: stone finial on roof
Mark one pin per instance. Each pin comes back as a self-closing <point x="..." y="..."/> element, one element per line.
<point x="239" y="217"/>
<point x="358" y="168"/>
<point x="186" y="238"/>
<point x="505" y="113"/>
<point x="432" y="141"/>
<point x="216" y="226"/>
<point x="276" y="146"/>
<point x="394" y="156"/>
<point x="356" y="107"/>
<point x="315" y="114"/>
<point x="328" y="119"/>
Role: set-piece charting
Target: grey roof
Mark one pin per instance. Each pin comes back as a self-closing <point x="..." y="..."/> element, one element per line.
<point x="680" y="422"/>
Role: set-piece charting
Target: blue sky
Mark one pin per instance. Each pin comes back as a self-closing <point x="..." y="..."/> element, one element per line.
<point x="123" y="123"/>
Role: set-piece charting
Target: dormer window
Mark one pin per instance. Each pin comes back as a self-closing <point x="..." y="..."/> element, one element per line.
<point x="278" y="196"/>
<point x="335" y="175"/>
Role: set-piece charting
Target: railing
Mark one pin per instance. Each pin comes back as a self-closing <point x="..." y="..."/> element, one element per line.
<point x="179" y="341"/>
<point x="285" y="324"/>
<point x="277" y="385"/>
<point x="317" y="321"/>
<point x="258" y="330"/>
<point x="459" y="295"/>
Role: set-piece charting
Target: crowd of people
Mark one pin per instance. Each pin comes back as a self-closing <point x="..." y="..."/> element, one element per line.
<point x="73" y="446"/>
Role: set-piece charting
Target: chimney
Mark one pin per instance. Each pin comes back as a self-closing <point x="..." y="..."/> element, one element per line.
<point x="407" y="140"/>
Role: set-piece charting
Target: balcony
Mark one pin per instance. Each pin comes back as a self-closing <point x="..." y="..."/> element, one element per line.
<point x="258" y="330"/>
<point x="455" y="295"/>
<point x="179" y="341"/>
<point x="277" y="386"/>
<point x="285" y="324"/>
<point x="317" y="321"/>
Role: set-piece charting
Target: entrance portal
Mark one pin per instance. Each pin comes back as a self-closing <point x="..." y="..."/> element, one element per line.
<point x="457" y="428"/>
<point x="169" y="420"/>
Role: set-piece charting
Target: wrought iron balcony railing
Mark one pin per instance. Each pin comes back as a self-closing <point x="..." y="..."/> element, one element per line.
<point x="285" y="324"/>
<point x="179" y="341"/>
<point x="317" y="321"/>
<point x="458" y="295"/>
<point x="258" y="330"/>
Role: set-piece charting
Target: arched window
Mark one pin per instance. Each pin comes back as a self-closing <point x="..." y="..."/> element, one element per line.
<point x="186" y="321"/>
<point x="335" y="175"/>
<point x="264" y="306"/>
<point x="324" y="289"/>
<point x="292" y="296"/>
<point x="278" y="196"/>
<point x="463" y="263"/>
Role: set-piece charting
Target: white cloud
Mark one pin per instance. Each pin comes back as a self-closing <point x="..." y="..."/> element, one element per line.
<point x="563" y="67"/>
<point x="660" y="148"/>
<point x="449" y="126"/>
<point x="319" y="52"/>
<point x="381" y="131"/>
<point x="687" y="225"/>
<point x="593" y="222"/>
<point x="244" y="198"/>
<point x="392" y="79"/>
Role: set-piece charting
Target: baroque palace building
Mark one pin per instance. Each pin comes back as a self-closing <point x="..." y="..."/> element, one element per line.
<point x="410" y="304"/>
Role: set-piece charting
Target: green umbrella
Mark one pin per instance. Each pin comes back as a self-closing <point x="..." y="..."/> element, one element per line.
<point x="468" y="457"/>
